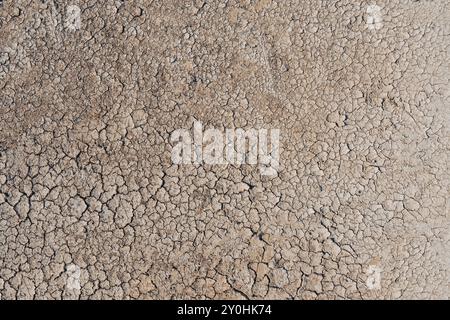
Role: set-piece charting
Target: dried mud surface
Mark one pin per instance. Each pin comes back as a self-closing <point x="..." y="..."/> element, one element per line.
<point x="87" y="181"/>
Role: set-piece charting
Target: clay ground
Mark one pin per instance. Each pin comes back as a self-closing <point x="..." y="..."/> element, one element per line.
<point x="93" y="207"/>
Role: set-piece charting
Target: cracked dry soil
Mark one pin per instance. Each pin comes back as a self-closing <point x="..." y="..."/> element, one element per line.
<point x="92" y="207"/>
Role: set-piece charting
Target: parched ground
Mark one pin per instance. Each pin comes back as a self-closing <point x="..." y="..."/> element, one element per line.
<point x="92" y="207"/>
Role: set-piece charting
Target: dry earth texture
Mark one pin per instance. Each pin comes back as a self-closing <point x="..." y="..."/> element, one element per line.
<point x="93" y="207"/>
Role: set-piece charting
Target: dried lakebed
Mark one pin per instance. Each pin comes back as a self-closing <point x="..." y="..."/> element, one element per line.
<point x="92" y="205"/>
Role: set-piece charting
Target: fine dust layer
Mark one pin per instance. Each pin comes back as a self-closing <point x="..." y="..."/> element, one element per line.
<point x="92" y="206"/>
